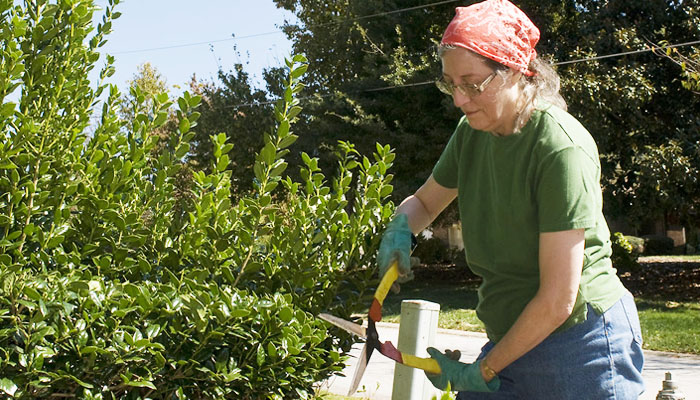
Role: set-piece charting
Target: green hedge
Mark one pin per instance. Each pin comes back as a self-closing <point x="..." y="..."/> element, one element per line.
<point x="624" y="256"/>
<point x="126" y="274"/>
<point x="657" y="245"/>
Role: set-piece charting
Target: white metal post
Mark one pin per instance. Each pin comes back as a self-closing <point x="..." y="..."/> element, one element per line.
<point x="417" y="332"/>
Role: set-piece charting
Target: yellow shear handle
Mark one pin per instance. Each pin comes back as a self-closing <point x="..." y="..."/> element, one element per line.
<point x="428" y="365"/>
<point x="386" y="282"/>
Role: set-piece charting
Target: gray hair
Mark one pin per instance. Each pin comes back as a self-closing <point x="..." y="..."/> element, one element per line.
<point x="543" y="86"/>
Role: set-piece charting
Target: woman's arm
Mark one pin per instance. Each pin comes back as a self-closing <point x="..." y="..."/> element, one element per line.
<point x="561" y="263"/>
<point x="426" y="204"/>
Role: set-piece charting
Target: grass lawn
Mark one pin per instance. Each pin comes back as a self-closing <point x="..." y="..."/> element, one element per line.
<point x="666" y="325"/>
<point x="331" y="396"/>
<point x="670" y="326"/>
<point x="457" y="303"/>
<point x="693" y="258"/>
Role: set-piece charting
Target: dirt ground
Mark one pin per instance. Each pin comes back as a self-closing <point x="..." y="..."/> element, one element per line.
<point x="667" y="279"/>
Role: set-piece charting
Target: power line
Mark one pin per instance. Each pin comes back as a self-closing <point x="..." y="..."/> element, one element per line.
<point x="177" y="46"/>
<point x="433" y="82"/>
<point x="628" y="53"/>
<point x="270" y="102"/>
<point x="381" y="14"/>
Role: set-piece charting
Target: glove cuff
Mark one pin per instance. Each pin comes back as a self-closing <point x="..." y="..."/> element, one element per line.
<point x="399" y="223"/>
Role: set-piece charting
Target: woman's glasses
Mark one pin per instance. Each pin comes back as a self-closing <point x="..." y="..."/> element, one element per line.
<point x="466" y="89"/>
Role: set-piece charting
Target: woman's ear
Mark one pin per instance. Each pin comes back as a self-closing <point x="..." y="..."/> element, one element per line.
<point x="515" y="76"/>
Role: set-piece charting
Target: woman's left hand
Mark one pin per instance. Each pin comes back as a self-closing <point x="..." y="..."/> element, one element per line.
<point x="459" y="376"/>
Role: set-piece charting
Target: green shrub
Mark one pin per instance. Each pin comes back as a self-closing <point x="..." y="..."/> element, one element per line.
<point x="624" y="257"/>
<point x="125" y="274"/>
<point x="637" y="244"/>
<point x="657" y="245"/>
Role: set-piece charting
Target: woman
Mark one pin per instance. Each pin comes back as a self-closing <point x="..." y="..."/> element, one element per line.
<point x="526" y="175"/>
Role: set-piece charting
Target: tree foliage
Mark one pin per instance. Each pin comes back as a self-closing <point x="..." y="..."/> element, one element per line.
<point x="240" y="111"/>
<point x="147" y="83"/>
<point x="627" y="102"/>
<point x="118" y="281"/>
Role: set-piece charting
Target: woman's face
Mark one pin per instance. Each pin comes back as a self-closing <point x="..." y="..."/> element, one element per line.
<point x="495" y="109"/>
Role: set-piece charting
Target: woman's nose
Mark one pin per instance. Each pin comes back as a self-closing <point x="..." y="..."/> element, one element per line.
<point x="459" y="99"/>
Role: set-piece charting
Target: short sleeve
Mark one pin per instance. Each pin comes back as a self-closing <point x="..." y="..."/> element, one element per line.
<point x="568" y="191"/>
<point x="445" y="170"/>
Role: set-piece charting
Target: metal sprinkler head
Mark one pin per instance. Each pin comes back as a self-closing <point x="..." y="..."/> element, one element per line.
<point x="670" y="390"/>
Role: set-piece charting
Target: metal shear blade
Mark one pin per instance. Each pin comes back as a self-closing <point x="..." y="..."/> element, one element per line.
<point x="371" y="335"/>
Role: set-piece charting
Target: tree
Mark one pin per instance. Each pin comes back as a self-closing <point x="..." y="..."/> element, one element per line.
<point x="689" y="64"/>
<point x="146" y="83"/>
<point x="672" y="180"/>
<point x="630" y="103"/>
<point x="350" y="59"/>
<point x="626" y="102"/>
<point x="238" y="110"/>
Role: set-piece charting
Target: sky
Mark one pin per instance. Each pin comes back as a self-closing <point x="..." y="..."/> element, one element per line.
<point x="184" y="37"/>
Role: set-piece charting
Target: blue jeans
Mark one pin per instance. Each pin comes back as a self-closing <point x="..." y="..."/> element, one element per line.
<point x="598" y="359"/>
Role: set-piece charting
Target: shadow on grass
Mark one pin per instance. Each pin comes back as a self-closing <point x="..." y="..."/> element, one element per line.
<point x="644" y="304"/>
<point x="450" y="296"/>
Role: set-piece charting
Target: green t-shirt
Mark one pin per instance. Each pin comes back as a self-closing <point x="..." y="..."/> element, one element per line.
<point x="510" y="189"/>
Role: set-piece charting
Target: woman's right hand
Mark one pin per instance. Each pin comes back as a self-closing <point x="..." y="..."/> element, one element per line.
<point x="396" y="246"/>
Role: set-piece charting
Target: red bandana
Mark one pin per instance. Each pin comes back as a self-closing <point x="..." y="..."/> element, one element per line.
<point x="496" y="29"/>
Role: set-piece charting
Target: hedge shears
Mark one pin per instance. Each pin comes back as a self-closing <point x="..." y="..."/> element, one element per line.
<point x="371" y="336"/>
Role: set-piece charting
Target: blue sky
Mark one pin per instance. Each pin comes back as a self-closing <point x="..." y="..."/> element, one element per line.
<point x="147" y="25"/>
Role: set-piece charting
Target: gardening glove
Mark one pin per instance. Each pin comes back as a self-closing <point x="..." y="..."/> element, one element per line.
<point x="461" y="377"/>
<point x="396" y="246"/>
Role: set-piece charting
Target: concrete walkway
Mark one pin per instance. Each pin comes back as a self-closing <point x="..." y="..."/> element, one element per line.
<point x="377" y="381"/>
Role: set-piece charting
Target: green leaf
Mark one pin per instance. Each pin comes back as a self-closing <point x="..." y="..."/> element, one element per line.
<point x="132" y="290"/>
<point x="8" y="386"/>
<point x="288" y="141"/>
<point x="386" y="190"/>
<point x="283" y="129"/>
<point x="5" y="259"/>
<point x="278" y="170"/>
<point x="152" y="330"/>
<point x="97" y="156"/>
<point x="268" y="153"/>
<point x="32" y="293"/>
<point x="145" y="384"/>
<point x="286" y="314"/>
<point x="293" y="112"/>
<point x="223" y="163"/>
<point x="240" y="312"/>
<point x="29" y="229"/>
<point x="194" y="101"/>
<point x="79" y="285"/>
<point x="160" y="360"/>
<point x="7" y="109"/>
<point x="160" y="119"/>
<point x="7" y="164"/>
<point x="271" y="350"/>
<point x="81" y="383"/>
<point x="182" y="150"/>
<point x="299" y="71"/>
<point x="258" y="171"/>
<point x="88" y="350"/>
<point x="260" y="355"/>
<point x="184" y="125"/>
<point x="182" y="103"/>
